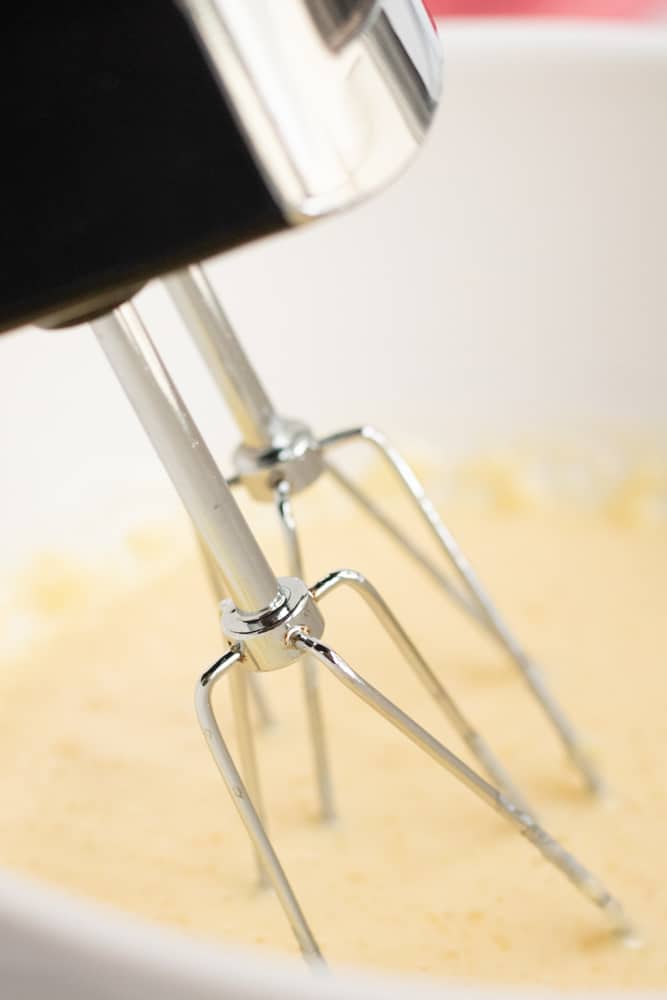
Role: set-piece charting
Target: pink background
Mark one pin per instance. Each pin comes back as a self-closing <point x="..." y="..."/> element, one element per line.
<point x="625" y="9"/>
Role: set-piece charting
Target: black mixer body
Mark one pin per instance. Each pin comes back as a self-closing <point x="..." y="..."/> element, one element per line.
<point x="143" y="136"/>
<point x="122" y="158"/>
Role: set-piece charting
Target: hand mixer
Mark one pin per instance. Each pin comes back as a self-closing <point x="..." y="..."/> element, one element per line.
<point x="177" y="130"/>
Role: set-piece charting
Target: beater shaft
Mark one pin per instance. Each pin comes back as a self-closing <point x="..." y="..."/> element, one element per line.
<point x="224" y="356"/>
<point x="247" y="576"/>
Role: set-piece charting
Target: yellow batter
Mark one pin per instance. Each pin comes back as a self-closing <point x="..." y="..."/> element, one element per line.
<point x="107" y="787"/>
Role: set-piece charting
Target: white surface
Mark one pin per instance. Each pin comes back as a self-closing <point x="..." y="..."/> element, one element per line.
<point x="513" y="281"/>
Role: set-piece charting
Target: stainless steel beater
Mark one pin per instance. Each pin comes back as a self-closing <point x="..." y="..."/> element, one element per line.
<point x="246" y="119"/>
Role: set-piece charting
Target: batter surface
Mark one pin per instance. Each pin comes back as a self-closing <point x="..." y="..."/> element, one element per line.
<point x="108" y="789"/>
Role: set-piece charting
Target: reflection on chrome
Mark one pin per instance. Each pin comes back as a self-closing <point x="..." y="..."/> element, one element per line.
<point x="334" y="96"/>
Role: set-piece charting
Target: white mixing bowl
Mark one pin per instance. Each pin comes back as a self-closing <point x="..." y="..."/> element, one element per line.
<point x="514" y="280"/>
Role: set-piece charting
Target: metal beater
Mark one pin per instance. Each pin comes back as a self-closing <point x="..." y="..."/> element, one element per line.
<point x="301" y="108"/>
<point x="279" y="458"/>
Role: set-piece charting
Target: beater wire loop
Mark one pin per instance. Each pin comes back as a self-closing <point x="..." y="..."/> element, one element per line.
<point x="411" y="653"/>
<point x="244" y="804"/>
<point x="477" y="602"/>
<point x="569" y="866"/>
